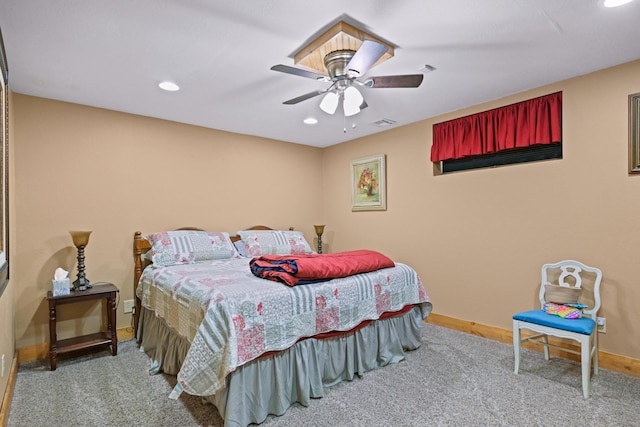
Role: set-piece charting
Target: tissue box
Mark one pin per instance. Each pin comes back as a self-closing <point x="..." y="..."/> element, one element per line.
<point x="61" y="287"/>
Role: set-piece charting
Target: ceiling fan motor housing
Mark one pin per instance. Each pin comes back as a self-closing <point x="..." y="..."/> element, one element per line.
<point x="336" y="63"/>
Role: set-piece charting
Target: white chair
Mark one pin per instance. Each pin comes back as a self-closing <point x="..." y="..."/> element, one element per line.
<point x="582" y="330"/>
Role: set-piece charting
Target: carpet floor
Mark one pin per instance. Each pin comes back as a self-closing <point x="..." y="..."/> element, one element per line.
<point x="453" y="379"/>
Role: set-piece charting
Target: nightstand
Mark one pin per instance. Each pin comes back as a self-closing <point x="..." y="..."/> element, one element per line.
<point x="106" y="291"/>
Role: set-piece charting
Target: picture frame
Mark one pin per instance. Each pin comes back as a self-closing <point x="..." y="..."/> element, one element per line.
<point x="634" y="133"/>
<point x="4" y="169"/>
<point x="368" y="184"/>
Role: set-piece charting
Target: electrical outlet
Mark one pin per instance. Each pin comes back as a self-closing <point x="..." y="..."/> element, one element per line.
<point x="602" y="324"/>
<point x="128" y="305"/>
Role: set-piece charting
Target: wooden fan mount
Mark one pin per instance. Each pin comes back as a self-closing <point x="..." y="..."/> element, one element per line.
<point x="341" y="37"/>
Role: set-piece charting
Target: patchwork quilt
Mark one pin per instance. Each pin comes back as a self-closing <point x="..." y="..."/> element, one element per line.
<point x="231" y="316"/>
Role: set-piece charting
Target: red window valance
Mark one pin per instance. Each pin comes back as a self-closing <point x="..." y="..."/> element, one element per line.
<point x="536" y="121"/>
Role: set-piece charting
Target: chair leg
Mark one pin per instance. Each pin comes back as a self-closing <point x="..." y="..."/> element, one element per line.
<point x="586" y="367"/>
<point x="595" y="353"/>
<point x="516" y="346"/>
<point x="545" y="344"/>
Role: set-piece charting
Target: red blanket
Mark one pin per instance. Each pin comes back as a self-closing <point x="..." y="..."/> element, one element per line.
<point x="309" y="268"/>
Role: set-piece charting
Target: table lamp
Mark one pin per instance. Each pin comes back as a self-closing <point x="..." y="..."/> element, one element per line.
<point x="80" y="240"/>
<point x="319" y="231"/>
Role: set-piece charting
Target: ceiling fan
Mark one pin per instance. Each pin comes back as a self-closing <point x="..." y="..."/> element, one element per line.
<point x="344" y="67"/>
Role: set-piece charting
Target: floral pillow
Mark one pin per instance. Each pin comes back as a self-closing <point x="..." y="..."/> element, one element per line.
<point x="266" y="242"/>
<point x="189" y="246"/>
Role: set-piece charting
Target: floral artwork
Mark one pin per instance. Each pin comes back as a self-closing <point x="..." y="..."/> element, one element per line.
<point x="368" y="184"/>
<point x="368" y="181"/>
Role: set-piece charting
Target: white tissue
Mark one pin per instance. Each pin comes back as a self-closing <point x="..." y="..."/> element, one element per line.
<point x="60" y="274"/>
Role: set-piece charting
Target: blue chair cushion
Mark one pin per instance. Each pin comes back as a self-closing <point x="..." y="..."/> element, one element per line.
<point x="584" y="325"/>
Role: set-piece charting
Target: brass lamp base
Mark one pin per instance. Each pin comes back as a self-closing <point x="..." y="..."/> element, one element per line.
<point x="319" y="231"/>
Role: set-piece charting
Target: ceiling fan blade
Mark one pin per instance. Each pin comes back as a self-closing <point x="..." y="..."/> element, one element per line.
<point x="304" y="97"/>
<point x="408" y="80"/>
<point x="365" y="57"/>
<point x="298" y="72"/>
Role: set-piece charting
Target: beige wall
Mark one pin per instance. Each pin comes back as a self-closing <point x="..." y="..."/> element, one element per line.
<point x="478" y="238"/>
<point x="80" y="167"/>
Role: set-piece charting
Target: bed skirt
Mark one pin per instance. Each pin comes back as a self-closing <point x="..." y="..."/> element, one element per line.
<point x="271" y="384"/>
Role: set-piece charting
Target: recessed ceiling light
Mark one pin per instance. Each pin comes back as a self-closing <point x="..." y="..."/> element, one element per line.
<point x="310" y="121"/>
<point x="170" y="86"/>
<point x="615" y="3"/>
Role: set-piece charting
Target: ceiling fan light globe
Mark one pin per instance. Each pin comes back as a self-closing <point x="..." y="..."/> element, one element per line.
<point x="329" y="103"/>
<point x="351" y="111"/>
<point x="352" y="101"/>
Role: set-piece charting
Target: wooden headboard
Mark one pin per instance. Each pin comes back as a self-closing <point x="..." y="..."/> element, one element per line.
<point x="140" y="248"/>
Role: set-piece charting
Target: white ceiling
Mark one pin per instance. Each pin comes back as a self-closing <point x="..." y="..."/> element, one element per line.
<point x="112" y="54"/>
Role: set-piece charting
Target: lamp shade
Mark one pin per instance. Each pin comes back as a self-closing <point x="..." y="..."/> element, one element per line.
<point x="329" y="103"/>
<point x="80" y="237"/>
<point x="352" y="101"/>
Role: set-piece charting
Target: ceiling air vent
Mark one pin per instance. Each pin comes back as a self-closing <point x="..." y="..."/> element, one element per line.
<point x="383" y="123"/>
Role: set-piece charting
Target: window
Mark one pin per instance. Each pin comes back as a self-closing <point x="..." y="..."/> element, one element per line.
<point x="508" y="157"/>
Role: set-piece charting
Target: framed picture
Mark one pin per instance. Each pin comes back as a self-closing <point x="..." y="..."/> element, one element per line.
<point x="368" y="184"/>
<point x="4" y="169"/>
<point x="634" y="133"/>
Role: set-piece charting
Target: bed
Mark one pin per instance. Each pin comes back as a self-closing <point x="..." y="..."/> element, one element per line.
<point x="251" y="346"/>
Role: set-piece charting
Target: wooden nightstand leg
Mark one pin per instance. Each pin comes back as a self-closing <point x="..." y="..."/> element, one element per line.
<point x="53" y="336"/>
<point x="112" y="323"/>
